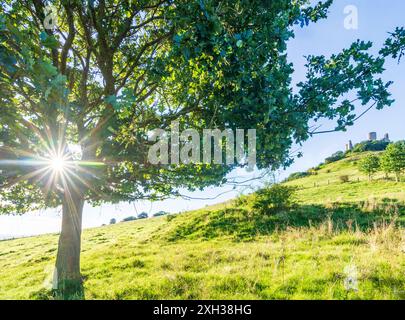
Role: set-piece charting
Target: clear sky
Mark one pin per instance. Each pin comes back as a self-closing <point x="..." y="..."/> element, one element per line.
<point x="376" y="19"/>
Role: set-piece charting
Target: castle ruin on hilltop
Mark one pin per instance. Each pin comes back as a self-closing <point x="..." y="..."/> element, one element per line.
<point x="372" y="136"/>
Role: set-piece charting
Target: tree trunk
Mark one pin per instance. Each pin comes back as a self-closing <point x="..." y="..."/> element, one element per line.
<point x="67" y="278"/>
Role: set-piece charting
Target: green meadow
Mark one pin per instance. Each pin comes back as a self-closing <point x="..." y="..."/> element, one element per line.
<point x="341" y="240"/>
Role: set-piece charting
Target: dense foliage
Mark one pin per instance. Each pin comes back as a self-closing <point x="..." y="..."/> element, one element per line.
<point x="339" y="155"/>
<point x="110" y="71"/>
<point x="370" y="165"/>
<point x="393" y="159"/>
<point x="379" y="145"/>
<point x="297" y="175"/>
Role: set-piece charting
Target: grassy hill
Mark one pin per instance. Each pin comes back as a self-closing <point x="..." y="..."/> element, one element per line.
<point x="325" y="185"/>
<point x="341" y="241"/>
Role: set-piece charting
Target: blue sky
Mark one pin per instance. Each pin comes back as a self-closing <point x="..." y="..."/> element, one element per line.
<point x="376" y="19"/>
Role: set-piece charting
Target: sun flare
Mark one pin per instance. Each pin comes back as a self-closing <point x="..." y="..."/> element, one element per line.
<point x="58" y="164"/>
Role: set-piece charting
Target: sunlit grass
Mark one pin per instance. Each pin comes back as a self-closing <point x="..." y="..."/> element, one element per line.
<point x="227" y="252"/>
<point x="142" y="260"/>
<point x="326" y="186"/>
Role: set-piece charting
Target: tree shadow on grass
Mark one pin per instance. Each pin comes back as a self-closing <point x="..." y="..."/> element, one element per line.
<point x="242" y="225"/>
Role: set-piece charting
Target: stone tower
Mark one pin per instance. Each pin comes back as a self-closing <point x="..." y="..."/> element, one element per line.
<point x="372" y="136"/>
<point x="349" y="146"/>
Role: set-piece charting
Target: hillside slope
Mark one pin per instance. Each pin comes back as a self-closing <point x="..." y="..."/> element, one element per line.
<point x="325" y="186"/>
<point x="324" y="248"/>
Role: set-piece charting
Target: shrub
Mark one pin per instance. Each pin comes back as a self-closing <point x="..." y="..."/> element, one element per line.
<point x="317" y="168"/>
<point x="335" y="157"/>
<point x="143" y="215"/>
<point x="274" y="198"/>
<point x="113" y="221"/>
<point x="241" y="201"/>
<point x="132" y="218"/>
<point x="160" y="213"/>
<point x="344" y="178"/>
<point x="312" y="172"/>
<point x="297" y="175"/>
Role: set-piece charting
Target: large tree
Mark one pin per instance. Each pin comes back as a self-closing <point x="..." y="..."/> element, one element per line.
<point x="109" y="71"/>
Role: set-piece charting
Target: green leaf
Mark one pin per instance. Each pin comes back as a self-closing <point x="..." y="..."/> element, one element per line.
<point x="48" y="41"/>
<point x="112" y="100"/>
